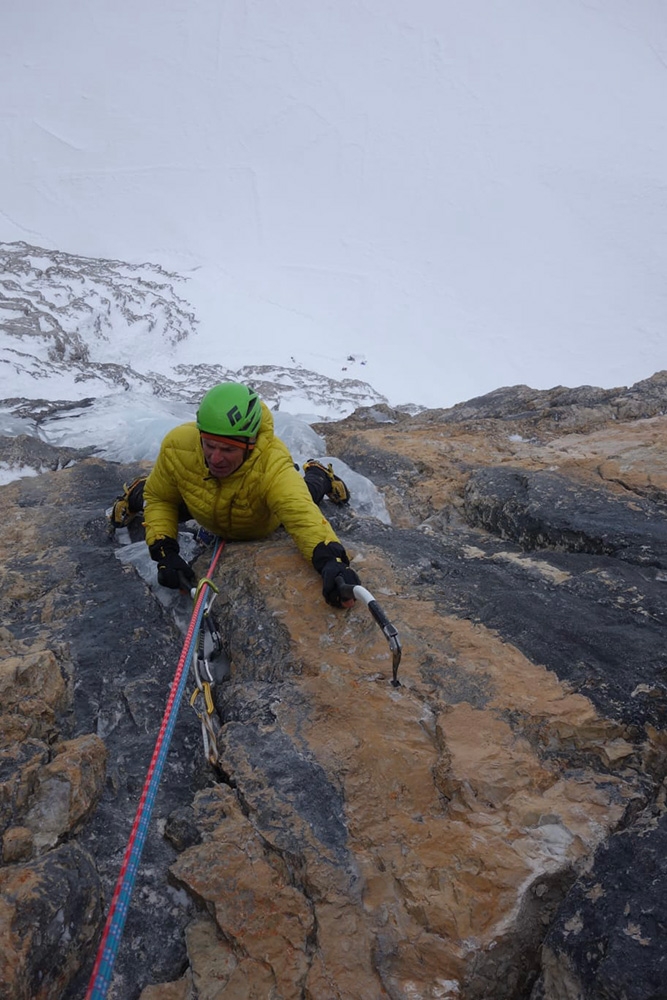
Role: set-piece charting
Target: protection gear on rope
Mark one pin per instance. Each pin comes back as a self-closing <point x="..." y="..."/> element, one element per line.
<point x="322" y="481"/>
<point x="128" y="504"/>
<point x="211" y="666"/>
<point x="120" y="901"/>
<point x="230" y="410"/>
<point x="332" y="563"/>
<point x="172" y="569"/>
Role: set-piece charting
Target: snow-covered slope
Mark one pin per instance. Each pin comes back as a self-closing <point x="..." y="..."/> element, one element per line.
<point x="466" y="195"/>
<point x="89" y="356"/>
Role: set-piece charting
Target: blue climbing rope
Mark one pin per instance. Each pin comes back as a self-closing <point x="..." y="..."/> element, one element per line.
<point x="120" y="902"/>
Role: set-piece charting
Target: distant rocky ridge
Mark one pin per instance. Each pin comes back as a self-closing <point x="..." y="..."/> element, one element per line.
<point x="494" y="828"/>
<point x="64" y="306"/>
<point x="68" y="320"/>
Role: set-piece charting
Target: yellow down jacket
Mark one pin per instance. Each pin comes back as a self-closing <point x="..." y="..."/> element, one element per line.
<point x="265" y="492"/>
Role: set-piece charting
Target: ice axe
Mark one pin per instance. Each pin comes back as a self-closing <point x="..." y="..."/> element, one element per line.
<point x="359" y="593"/>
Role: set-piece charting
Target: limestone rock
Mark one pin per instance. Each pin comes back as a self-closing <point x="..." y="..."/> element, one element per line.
<point x="494" y="827"/>
<point x="67" y="789"/>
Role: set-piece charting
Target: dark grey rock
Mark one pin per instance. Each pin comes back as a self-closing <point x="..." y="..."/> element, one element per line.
<point x="546" y="510"/>
<point x="56" y="911"/>
<point x="125" y="648"/>
<point x="181" y="828"/>
<point x="608" y="938"/>
<point x="601" y="628"/>
<point x="29" y="451"/>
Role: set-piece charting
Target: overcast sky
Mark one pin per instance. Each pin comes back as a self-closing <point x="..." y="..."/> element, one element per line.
<point x="465" y="194"/>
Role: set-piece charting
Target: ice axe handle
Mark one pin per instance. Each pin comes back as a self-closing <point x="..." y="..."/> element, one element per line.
<point x="346" y="590"/>
<point x="184" y="584"/>
<point x="381" y="618"/>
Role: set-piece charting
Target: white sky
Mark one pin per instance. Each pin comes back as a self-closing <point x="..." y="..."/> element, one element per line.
<point x="468" y="193"/>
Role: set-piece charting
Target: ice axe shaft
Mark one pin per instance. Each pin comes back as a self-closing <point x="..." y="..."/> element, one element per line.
<point x="361" y="594"/>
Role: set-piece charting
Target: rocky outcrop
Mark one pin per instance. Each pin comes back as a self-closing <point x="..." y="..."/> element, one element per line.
<point x="494" y="827"/>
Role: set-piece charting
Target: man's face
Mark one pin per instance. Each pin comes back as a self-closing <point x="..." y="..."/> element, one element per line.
<point x="222" y="459"/>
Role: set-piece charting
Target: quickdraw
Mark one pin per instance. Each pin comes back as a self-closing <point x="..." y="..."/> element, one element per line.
<point x="210" y="666"/>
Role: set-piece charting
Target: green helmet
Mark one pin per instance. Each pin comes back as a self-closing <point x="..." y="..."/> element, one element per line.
<point x="230" y="410"/>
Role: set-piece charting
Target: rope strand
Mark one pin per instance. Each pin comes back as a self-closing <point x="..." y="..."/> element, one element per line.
<point x="120" y="902"/>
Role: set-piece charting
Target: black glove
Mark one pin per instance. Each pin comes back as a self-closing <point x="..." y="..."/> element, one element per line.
<point x="172" y="569"/>
<point x="331" y="562"/>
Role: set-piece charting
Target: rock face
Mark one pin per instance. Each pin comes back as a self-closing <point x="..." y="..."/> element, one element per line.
<point x="493" y="828"/>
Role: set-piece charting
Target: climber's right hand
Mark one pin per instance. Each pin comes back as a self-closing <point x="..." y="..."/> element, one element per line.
<point x="172" y="569"/>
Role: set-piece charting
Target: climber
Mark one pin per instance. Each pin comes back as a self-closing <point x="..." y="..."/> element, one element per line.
<point x="232" y="475"/>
